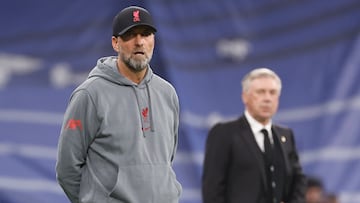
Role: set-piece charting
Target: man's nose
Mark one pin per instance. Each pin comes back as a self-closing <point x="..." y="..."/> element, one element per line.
<point x="139" y="39"/>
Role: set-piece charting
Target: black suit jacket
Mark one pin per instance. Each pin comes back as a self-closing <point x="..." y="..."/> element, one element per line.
<point x="234" y="172"/>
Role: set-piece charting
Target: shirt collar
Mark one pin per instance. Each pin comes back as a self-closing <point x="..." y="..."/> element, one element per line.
<point x="255" y="125"/>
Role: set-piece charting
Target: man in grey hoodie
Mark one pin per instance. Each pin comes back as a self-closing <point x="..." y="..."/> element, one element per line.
<point x="120" y="129"/>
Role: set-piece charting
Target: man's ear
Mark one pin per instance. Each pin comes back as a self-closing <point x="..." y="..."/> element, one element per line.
<point x="243" y="97"/>
<point x="114" y="43"/>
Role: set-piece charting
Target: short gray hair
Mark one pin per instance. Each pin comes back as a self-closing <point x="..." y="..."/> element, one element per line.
<point x="259" y="73"/>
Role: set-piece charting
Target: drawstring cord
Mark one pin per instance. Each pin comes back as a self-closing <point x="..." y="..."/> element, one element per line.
<point x="150" y="109"/>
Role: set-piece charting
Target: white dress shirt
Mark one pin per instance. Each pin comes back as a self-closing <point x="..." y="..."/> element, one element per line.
<point x="256" y="128"/>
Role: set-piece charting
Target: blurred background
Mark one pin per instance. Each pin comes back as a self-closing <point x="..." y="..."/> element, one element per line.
<point x="203" y="48"/>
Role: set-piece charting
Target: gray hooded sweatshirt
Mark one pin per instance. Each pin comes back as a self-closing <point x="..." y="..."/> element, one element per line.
<point x="118" y="139"/>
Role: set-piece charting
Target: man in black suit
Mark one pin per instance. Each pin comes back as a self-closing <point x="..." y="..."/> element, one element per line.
<point x="252" y="160"/>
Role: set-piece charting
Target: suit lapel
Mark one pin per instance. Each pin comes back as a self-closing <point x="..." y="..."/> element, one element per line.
<point x="282" y="138"/>
<point x="249" y="138"/>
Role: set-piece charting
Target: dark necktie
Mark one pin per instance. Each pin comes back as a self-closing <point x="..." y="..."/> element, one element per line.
<point x="268" y="155"/>
<point x="268" y="147"/>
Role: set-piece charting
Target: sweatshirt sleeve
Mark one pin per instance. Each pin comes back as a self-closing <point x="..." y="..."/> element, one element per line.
<point x="78" y="130"/>
<point x="176" y="124"/>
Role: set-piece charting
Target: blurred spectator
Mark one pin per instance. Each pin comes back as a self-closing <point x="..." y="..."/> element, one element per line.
<point x="332" y="198"/>
<point x="315" y="192"/>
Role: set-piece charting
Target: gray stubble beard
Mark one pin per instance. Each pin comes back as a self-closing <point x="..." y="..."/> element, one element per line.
<point x="136" y="65"/>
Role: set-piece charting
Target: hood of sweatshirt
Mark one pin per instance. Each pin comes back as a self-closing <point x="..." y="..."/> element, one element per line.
<point x="106" y="68"/>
